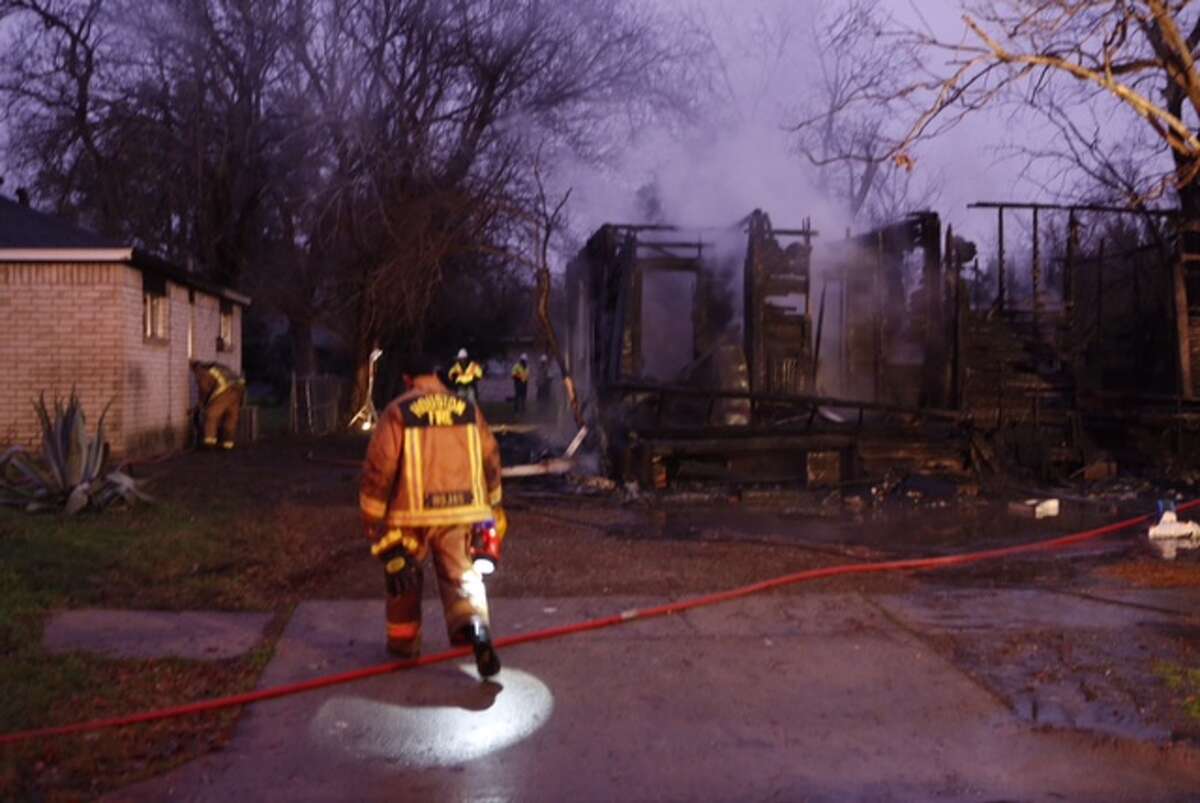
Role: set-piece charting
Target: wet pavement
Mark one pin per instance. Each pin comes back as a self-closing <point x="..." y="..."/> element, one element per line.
<point x="832" y="696"/>
<point x="1061" y="658"/>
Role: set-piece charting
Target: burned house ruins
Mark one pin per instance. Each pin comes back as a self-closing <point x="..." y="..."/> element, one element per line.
<point x="698" y="350"/>
<point x="759" y="353"/>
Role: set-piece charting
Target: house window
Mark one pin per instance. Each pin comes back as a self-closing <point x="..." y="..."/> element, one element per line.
<point x="155" y="309"/>
<point x="225" y="338"/>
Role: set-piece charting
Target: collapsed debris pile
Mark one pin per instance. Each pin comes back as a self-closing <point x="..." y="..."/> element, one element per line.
<point x="744" y="355"/>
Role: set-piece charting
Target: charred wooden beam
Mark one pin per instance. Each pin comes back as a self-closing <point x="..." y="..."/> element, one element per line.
<point x="794" y="399"/>
<point x="1036" y="278"/>
<point x="1071" y="207"/>
<point x="1000" y="261"/>
<point x="697" y="244"/>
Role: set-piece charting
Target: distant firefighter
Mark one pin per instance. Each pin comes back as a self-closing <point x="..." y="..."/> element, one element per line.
<point x="465" y="375"/>
<point x="520" y="378"/>
<point x="221" y="391"/>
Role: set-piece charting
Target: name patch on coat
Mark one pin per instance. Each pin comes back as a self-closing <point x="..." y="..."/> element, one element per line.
<point x="438" y="410"/>
<point x="448" y="499"/>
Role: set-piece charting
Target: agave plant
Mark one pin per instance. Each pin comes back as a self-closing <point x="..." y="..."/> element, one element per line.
<point x="71" y="473"/>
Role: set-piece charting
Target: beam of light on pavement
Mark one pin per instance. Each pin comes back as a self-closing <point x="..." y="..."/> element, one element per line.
<point x="423" y="733"/>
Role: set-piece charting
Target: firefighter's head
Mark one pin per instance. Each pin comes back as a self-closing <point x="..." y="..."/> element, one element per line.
<point x="415" y="365"/>
<point x="462" y="354"/>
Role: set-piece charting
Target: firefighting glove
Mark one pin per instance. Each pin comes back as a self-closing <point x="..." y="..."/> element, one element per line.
<point x="400" y="565"/>
<point x="401" y="570"/>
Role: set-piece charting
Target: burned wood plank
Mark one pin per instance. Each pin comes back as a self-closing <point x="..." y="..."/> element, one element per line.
<point x="793" y="399"/>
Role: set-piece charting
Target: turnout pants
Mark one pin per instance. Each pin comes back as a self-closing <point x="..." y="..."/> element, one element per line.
<point x="222" y="414"/>
<point x="520" y="394"/>
<point x="460" y="586"/>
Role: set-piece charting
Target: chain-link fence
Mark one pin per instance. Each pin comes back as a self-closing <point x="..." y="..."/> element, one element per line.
<point x="318" y="404"/>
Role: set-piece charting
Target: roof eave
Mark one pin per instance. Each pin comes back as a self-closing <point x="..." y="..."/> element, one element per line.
<point x="134" y="257"/>
<point x="66" y="254"/>
<point x="145" y="260"/>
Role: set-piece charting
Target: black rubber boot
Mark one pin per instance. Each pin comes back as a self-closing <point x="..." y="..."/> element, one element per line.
<point x="486" y="659"/>
<point x="404" y="650"/>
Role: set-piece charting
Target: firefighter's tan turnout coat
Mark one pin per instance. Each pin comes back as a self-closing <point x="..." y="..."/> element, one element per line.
<point x="432" y="470"/>
<point x="221" y="391"/>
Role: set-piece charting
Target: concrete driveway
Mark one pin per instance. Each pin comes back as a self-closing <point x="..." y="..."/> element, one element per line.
<point x="821" y="697"/>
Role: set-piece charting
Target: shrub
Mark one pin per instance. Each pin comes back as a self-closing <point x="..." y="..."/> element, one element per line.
<point x="71" y="473"/>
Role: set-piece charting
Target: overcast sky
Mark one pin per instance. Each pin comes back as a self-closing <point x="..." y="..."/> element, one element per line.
<point x="718" y="172"/>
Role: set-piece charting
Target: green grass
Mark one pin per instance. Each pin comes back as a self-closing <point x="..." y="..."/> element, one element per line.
<point x="163" y="556"/>
<point x="1184" y="682"/>
<point x="245" y="530"/>
<point x="169" y="555"/>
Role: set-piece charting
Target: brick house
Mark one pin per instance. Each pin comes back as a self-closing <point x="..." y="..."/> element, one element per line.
<point x="78" y="310"/>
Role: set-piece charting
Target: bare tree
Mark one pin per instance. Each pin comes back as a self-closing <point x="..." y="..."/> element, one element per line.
<point x="56" y="81"/>
<point x="539" y="221"/>
<point x="1131" y="64"/>
<point x="336" y="157"/>
<point x="152" y="119"/>
<point x="1121" y="61"/>
<point x="857" y="103"/>
<point x="445" y="104"/>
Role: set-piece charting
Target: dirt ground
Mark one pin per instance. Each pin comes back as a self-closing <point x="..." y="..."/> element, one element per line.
<point x="292" y="535"/>
<point x="568" y="540"/>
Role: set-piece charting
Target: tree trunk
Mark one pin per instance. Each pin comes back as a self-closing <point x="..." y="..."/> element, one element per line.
<point x="365" y="338"/>
<point x="366" y="343"/>
<point x="1186" y="280"/>
<point x="543" y="314"/>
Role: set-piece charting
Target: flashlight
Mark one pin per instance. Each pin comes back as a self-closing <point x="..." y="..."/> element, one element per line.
<point x="485" y="547"/>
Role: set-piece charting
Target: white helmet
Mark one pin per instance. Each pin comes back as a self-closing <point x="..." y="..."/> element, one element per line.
<point x="525" y="358"/>
<point x="462" y="354"/>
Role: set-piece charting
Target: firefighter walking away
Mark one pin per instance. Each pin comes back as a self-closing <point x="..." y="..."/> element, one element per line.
<point x="221" y="391"/>
<point x="431" y="489"/>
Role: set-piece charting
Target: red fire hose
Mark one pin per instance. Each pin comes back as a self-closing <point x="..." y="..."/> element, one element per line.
<point x="913" y="564"/>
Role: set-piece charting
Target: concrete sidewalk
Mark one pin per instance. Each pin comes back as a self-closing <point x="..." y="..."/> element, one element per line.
<point x="810" y="697"/>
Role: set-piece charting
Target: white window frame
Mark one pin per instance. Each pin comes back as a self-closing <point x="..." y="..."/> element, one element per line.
<point x="225" y="327"/>
<point x="156" y="317"/>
